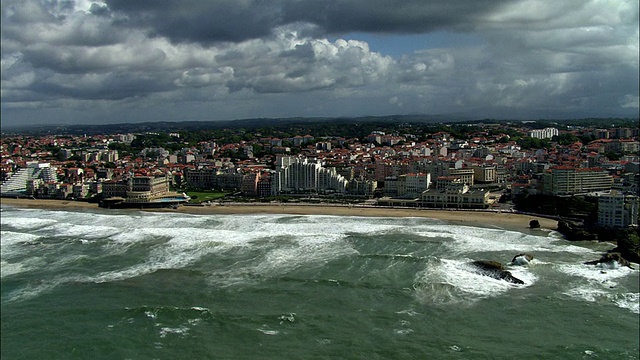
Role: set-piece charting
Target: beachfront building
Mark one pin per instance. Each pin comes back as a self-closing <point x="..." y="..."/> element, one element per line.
<point x="390" y="188"/>
<point x="457" y="195"/>
<point x="567" y="180"/>
<point x="362" y="187"/>
<point x="24" y="178"/>
<point x="618" y="210"/>
<point x="412" y="185"/>
<point x="136" y="188"/>
<point x="249" y="185"/>
<point x="204" y="178"/>
<point x="302" y="176"/>
<point x="211" y="178"/>
<point x="146" y="188"/>
<point x="263" y="188"/>
<point x="114" y="188"/>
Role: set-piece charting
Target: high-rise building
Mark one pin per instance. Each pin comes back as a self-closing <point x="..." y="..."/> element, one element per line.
<point x="17" y="183"/>
<point x="300" y="176"/>
<point x="618" y="210"/>
<point x="567" y="180"/>
<point x="546" y="133"/>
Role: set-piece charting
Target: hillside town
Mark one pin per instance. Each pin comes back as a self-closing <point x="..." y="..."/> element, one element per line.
<point x="485" y="166"/>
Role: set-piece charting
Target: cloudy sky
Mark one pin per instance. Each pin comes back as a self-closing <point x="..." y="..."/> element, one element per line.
<point x="112" y="61"/>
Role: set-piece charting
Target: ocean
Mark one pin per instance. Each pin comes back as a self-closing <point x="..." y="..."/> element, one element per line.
<point x="123" y="284"/>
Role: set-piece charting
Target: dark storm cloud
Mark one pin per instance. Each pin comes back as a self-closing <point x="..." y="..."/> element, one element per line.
<point x="254" y="58"/>
<point x="81" y="60"/>
<point x="212" y="21"/>
<point x="200" y="21"/>
<point x="114" y="86"/>
<point x="412" y="16"/>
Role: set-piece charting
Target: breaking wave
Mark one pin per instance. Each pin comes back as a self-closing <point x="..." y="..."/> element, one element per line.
<point x="427" y="256"/>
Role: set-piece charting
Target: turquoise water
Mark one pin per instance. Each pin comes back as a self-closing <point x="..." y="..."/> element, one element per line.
<point x="136" y="285"/>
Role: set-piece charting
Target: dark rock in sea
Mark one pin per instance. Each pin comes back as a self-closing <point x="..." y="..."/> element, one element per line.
<point x="495" y="270"/>
<point x="628" y="241"/>
<point x="575" y="231"/>
<point x="522" y="259"/>
<point x="534" y="224"/>
<point x="611" y="260"/>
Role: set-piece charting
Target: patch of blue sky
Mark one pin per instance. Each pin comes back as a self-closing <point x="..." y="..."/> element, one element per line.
<point x="396" y="45"/>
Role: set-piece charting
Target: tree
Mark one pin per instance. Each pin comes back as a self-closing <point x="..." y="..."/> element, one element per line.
<point x="613" y="156"/>
<point x="587" y="138"/>
<point x="566" y="139"/>
<point x="533" y="143"/>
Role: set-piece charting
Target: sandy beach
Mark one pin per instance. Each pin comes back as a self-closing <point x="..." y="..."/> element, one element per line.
<point x="505" y="220"/>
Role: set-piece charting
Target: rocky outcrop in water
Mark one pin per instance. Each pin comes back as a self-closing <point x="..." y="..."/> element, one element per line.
<point x="611" y="260"/>
<point x="522" y="259"/>
<point x="573" y="230"/>
<point x="495" y="270"/>
<point x="627" y="239"/>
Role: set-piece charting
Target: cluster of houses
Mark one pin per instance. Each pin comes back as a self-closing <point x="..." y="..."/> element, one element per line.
<point x="395" y="169"/>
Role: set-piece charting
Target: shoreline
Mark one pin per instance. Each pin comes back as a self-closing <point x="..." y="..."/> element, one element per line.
<point x="510" y="221"/>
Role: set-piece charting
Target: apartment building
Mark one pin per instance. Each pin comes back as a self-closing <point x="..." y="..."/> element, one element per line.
<point x="546" y="133"/>
<point x="362" y="187"/>
<point x="19" y="181"/>
<point x="622" y="146"/>
<point x="302" y="175"/>
<point x="249" y="186"/>
<point x="263" y="187"/>
<point x="114" y="188"/>
<point x="412" y="185"/>
<point x="567" y="180"/>
<point x="618" y="210"/>
<point x="390" y="188"/>
<point x="444" y="182"/>
<point x="466" y="175"/>
<point x="485" y="174"/>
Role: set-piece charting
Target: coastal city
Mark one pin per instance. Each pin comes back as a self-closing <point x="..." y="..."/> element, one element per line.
<point x="445" y="166"/>
<point x="312" y="179"/>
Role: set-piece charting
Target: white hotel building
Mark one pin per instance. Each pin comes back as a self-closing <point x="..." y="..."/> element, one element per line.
<point x="567" y="180"/>
<point x="617" y="210"/>
<point x="546" y="133"/>
<point x="302" y="176"/>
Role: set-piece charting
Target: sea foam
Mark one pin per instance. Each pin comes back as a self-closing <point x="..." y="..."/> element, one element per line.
<point x="25" y="223"/>
<point x="449" y="281"/>
<point x="595" y="294"/>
